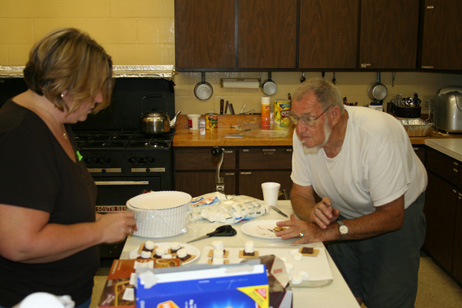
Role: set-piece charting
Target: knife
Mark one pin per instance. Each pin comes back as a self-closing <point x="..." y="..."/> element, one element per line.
<point x="279" y="211"/>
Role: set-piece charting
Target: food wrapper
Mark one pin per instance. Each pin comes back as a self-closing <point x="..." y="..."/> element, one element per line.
<point x="227" y="209"/>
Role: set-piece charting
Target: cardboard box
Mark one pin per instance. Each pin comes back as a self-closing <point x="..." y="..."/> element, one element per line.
<point x="280" y="295"/>
<point x="119" y="290"/>
<point x="198" y="286"/>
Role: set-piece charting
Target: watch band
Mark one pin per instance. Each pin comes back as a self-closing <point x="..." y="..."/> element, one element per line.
<point x="344" y="232"/>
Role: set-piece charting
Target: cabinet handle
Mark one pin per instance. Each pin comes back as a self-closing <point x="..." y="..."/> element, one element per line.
<point x="245" y="150"/>
<point x="289" y="150"/>
<point x="455" y="163"/>
<point x="246" y="173"/>
<point x="269" y="150"/>
<point x="460" y="195"/>
<point x="228" y="151"/>
<point x="427" y="66"/>
<point x="229" y="174"/>
<point x="454" y="191"/>
<point x="455" y="170"/>
<point x="430" y="7"/>
<point x="365" y="65"/>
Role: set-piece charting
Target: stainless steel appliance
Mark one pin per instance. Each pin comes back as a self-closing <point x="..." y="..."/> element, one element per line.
<point x="123" y="161"/>
<point x="448" y="109"/>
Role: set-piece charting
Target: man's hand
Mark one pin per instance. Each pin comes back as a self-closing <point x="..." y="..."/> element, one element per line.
<point x="323" y="214"/>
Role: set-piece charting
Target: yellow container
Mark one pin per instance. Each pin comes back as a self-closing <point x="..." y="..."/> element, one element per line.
<point x="281" y="114"/>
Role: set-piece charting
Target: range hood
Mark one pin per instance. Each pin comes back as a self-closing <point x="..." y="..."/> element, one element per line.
<point x="126" y="71"/>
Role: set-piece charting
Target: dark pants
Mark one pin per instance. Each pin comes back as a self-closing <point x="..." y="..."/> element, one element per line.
<point x="383" y="270"/>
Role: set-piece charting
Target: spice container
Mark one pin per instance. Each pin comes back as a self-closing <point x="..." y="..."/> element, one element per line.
<point x="265" y="113"/>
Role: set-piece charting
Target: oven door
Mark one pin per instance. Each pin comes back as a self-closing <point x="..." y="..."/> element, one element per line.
<point x="113" y="194"/>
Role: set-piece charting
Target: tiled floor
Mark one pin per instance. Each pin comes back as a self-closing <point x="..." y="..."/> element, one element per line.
<point x="436" y="289"/>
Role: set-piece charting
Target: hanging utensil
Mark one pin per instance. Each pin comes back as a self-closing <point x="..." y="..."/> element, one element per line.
<point x="302" y="79"/>
<point x="269" y="87"/>
<point x="334" y="81"/>
<point x="378" y="91"/>
<point x="203" y="89"/>
<point x="225" y="230"/>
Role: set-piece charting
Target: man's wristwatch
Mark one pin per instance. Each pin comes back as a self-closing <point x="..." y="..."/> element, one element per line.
<point x="343" y="229"/>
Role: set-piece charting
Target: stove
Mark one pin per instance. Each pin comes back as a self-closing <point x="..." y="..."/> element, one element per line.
<point x="123" y="161"/>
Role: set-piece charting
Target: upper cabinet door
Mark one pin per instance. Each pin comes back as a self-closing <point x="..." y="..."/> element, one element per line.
<point x="204" y="34"/>
<point x="328" y="34"/>
<point x="267" y="34"/>
<point x="442" y="35"/>
<point x="389" y="33"/>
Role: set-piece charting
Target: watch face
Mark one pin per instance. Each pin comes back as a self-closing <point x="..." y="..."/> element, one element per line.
<point x="343" y="230"/>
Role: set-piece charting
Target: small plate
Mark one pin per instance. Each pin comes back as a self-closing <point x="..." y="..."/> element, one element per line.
<point x="261" y="229"/>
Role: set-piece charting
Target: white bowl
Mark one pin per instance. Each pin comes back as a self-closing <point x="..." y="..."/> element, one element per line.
<point x="160" y="213"/>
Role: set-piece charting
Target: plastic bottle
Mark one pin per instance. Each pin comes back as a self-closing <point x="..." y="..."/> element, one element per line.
<point x="265" y="113"/>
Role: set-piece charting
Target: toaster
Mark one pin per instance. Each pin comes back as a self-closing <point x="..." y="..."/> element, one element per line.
<point x="448" y="109"/>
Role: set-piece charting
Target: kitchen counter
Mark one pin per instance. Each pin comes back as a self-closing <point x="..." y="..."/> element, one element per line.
<point x="335" y="294"/>
<point x="225" y="134"/>
<point x="449" y="146"/>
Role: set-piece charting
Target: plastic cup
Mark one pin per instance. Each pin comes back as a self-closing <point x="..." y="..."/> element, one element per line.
<point x="270" y="192"/>
<point x="193" y="121"/>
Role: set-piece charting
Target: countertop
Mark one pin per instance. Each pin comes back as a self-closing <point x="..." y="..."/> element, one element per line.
<point x="335" y="294"/>
<point x="228" y="133"/>
<point x="449" y="146"/>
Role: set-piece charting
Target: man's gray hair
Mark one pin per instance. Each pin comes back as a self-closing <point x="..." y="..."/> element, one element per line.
<point x="326" y="92"/>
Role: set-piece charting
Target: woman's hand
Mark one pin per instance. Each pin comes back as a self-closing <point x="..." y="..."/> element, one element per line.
<point x="323" y="214"/>
<point x="116" y="226"/>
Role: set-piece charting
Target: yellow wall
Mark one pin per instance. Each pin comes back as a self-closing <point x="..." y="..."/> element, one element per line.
<point x="141" y="32"/>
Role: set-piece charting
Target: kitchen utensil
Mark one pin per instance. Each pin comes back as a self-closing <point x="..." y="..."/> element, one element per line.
<point x="302" y="79"/>
<point x="226" y="107"/>
<point x="225" y="230"/>
<point x="334" y="81"/>
<point x="231" y="108"/>
<point x="279" y="211"/>
<point x="157" y="122"/>
<point x="378" y="91"/>
<point x="222" y="105"/>
<point x="269" y="87"/>
<point x="203" y="90"/>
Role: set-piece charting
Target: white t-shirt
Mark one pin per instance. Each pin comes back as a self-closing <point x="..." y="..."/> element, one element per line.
<point x="375" y="166"/>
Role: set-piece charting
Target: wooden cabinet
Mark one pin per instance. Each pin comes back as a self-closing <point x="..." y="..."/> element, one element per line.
<point x="420" y="151"/>
<point x="204" y="34"/>
<point x="328" y="34"/>
<point x="258" y="165"/>
<point x="442" y="35"/>
<point x="267" y="34"/>
<point x="389" y="34"/>
<point x="443" y="212"/>
<point x="195" y="170"/>
<point x="243" y="169"/>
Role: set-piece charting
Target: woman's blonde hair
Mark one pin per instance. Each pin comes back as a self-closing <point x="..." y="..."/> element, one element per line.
<point x="68" y="60"/>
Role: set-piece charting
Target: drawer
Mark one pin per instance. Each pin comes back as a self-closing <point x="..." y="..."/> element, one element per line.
<point x="269" y="158"/>
<point x="202" y="159"/>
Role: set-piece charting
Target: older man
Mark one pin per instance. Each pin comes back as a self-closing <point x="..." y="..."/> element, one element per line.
<point x="361" y="163"/>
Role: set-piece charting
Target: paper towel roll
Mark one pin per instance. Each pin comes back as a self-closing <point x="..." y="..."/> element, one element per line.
<point x="246" y="84"/>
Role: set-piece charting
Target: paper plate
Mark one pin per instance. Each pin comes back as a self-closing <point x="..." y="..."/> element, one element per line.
<point x="261" y="229"/>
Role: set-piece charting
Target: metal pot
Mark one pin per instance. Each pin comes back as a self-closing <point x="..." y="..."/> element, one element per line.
<point x="378" y="91"/>
<point x="155" y="122"/>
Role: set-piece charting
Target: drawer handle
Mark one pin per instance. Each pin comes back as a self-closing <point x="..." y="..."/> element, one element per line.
<point x="229" y="174"/>
<point x="455" y="163"/>
<point x="289" y="150"/>
<point x="269" y="150"/>
<point x="245" y="150"/>
<point x="246" y="173"/>
<point x="430" y="7"/>
<point x="454" y="191"/>
<point x="455" y="170"/>
<point x="228" y="151"/>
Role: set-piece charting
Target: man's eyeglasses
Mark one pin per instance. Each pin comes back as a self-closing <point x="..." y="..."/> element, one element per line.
<point x="307" y="120"/>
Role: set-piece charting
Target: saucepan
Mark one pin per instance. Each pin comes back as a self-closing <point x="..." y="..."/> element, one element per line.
<point x="378" y="91"/>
